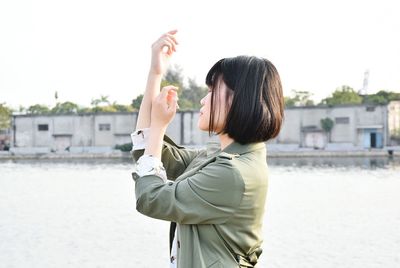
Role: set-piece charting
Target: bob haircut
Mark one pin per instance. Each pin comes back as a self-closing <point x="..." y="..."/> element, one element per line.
<point x="255" y="93"/>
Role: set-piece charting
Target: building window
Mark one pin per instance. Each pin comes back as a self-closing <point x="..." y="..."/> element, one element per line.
<point x="43" y="127"/>
<point x="104" y="127"/>
<point x="370" y="109"/>
<point x="342" y="120"/>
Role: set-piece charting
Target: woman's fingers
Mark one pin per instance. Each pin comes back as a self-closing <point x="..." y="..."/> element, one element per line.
<point x="167" y="40"/>
<point x="164" y="106"/>
<point x="172" y="31"/>
<point x="168" y="92"/>
<point x="161" y="51"/>
<point x="168" y="45"/>
<point x="172" y="38"/>
<point x="168" y="97"/>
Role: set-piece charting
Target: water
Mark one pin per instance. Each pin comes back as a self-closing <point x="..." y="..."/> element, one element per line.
<point x="338" y="212"/>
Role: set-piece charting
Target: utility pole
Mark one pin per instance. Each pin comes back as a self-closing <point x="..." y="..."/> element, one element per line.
<point x="364" y="90"/>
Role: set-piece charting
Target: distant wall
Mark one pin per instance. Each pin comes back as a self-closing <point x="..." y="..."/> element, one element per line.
<point x="352" y="125"/>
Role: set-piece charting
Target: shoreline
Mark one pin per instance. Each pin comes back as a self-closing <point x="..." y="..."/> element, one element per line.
<point x="270" y="153"/>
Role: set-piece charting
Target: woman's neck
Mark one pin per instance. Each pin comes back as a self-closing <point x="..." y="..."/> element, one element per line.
<point x="224" y="140"/>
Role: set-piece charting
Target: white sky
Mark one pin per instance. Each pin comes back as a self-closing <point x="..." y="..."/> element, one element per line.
<point x="87" y="48"/>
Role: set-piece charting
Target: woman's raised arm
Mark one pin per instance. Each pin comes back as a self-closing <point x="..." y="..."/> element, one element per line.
<point x="162" y="50"/>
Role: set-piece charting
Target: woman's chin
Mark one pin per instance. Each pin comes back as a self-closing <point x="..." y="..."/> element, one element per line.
<point x="201" y="127"/>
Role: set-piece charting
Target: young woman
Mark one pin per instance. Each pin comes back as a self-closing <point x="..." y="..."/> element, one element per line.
<point x="215" y="198"/>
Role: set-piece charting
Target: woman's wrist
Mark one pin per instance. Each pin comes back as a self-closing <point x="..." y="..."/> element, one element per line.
<point x="155" y="141"/>
<point x="158" y="128"/>
<point x="154" y="74"/>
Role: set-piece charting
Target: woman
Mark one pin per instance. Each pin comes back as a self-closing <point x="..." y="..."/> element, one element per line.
<point x="216" y="199"/>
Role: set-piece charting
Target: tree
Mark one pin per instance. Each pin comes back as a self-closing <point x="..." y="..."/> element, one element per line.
<point x="84" y="110"/>
<point x="299" y="98"/>
<point x="102" y="100"/>
<point x="102" y="104"/>
<point x="189" y="97"/>
<point x="136" y="102"/>
<point x="173" y="76"/>
<point x="5" y="116"/>
<point x="38" y="109"/>
<point x="381" y="97"/>
<point x="327" y="125"/>
<point x="121" y="107"/>
<point x="343" y="95"/>
<point x="65" y="108"/>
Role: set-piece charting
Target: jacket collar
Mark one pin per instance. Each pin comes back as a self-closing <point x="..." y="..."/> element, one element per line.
<point x="237" y="148"/>
<point x="234" y="148"/>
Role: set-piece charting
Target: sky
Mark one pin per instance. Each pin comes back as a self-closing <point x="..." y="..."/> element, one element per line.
<point x="87" y="48"/>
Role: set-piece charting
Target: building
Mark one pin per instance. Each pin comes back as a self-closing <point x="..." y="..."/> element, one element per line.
<point x="92" y="132"/>
<point x="355" y="126"/>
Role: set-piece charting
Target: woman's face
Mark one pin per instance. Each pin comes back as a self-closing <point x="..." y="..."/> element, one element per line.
<point x="221" y="108"/>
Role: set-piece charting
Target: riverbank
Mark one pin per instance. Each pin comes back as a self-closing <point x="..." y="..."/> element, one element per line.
<point x="275" y="153"/>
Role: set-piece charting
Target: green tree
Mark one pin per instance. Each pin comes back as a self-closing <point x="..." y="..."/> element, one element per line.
<point x="381" y="97"/>
<point x="174" y="77"/>
<point x="299" y="98"/>
<point x="38" y="109"/>
<point x="103" y="100"/>
<point x="122" y="107"/>
<point x="65" y="108"/>
<point x="84" y="110"/>
<point x="289" y="102"/>
<point x="189" y="97"/>
<point x="22" y="109"/>
<point x="104" y="109"/>
<point x="136" y="102"/>
<point x="102" y="104"/>
<point x="327" y="125"/>
<point x="5" y="116"/>
<point x="343" y="95"/>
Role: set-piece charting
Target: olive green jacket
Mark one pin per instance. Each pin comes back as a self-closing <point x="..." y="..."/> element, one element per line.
<point x="217" y="198"/>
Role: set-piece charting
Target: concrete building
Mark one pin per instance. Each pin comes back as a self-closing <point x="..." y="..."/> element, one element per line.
<point x="92" y="132"/>
<point x="355" y="126"/>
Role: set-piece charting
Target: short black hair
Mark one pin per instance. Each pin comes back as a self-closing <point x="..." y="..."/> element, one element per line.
<point x="257" y="107"/>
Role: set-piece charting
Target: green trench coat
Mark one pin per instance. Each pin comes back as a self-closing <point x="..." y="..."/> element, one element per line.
<point x="216" y="198"/>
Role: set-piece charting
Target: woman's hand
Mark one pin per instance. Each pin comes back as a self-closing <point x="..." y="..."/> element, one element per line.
<point x="162" y="50"/>
<point x="164" y="107"/>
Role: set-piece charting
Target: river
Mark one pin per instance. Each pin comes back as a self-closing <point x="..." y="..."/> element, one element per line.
<point x="336" y="212"/>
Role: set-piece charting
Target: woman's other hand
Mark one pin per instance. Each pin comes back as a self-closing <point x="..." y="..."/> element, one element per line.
<point x="162" y="50"/>
<point x="164" y="107"/>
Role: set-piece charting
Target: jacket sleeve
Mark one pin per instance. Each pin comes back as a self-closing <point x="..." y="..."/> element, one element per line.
<point x="175" y="158"/>
<point x="210" y="196"/>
